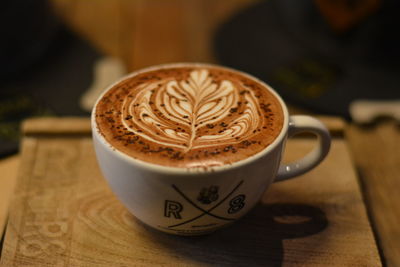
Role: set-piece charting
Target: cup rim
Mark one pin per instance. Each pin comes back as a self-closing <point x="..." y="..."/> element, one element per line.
<point x="189" y="171"/>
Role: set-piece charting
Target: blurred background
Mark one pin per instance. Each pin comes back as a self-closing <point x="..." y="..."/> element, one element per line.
<point x="320" y="55"/>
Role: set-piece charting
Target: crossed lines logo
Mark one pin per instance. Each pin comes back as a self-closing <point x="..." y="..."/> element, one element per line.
<point x="173" y="209"/>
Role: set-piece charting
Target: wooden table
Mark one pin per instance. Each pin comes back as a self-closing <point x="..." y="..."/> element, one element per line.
<point x="128" y="30"/>
<point x="63" y="213"/>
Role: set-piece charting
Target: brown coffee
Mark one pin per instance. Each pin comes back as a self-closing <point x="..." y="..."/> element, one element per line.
<point x="189" y="116"/>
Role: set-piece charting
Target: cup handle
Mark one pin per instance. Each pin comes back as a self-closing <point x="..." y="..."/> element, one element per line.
<point x="299" y="124"/>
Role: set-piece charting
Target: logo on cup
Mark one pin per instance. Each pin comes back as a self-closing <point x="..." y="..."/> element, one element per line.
<point x="208" y="195"/>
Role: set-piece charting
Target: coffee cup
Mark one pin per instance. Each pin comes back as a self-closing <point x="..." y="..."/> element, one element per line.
<point x="189" y="148"/>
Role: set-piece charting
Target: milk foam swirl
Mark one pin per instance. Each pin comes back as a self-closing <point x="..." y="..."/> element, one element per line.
<point x="172" y="112"/>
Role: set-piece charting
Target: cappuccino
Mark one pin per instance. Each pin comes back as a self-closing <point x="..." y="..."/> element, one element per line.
<point x="189" y="116"/>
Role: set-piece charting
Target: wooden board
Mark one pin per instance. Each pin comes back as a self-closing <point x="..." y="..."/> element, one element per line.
<point x="376" y="152"/>
<point x="64" y="214"/>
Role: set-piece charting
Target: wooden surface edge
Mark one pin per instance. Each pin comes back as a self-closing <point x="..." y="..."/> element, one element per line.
<point x="8" y="171"/>
<point x="56" y="125"/>
<point x="81" y="125"/>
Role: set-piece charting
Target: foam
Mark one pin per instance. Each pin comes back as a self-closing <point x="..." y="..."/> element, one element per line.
<point x="189" y="117"/>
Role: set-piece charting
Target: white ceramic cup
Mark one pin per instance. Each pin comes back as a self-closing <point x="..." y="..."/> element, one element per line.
<point x="166" y="198"/>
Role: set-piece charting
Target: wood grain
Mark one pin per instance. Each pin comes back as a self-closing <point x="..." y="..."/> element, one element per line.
<point x="64" y="214"/>
<point x="375" y="150"/>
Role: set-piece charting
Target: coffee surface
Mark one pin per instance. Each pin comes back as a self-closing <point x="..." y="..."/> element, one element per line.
<point x="189" y="117"/>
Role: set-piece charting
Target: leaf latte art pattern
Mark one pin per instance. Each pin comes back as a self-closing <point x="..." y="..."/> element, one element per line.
<point x="179" y="113"/>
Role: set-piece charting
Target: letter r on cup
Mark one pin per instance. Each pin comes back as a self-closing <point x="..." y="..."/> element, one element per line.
<point x="172" y="208"/>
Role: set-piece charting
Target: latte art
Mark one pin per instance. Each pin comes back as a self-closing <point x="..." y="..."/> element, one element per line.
<point x="193" y="104"/>
<point x="189" y="117"/>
